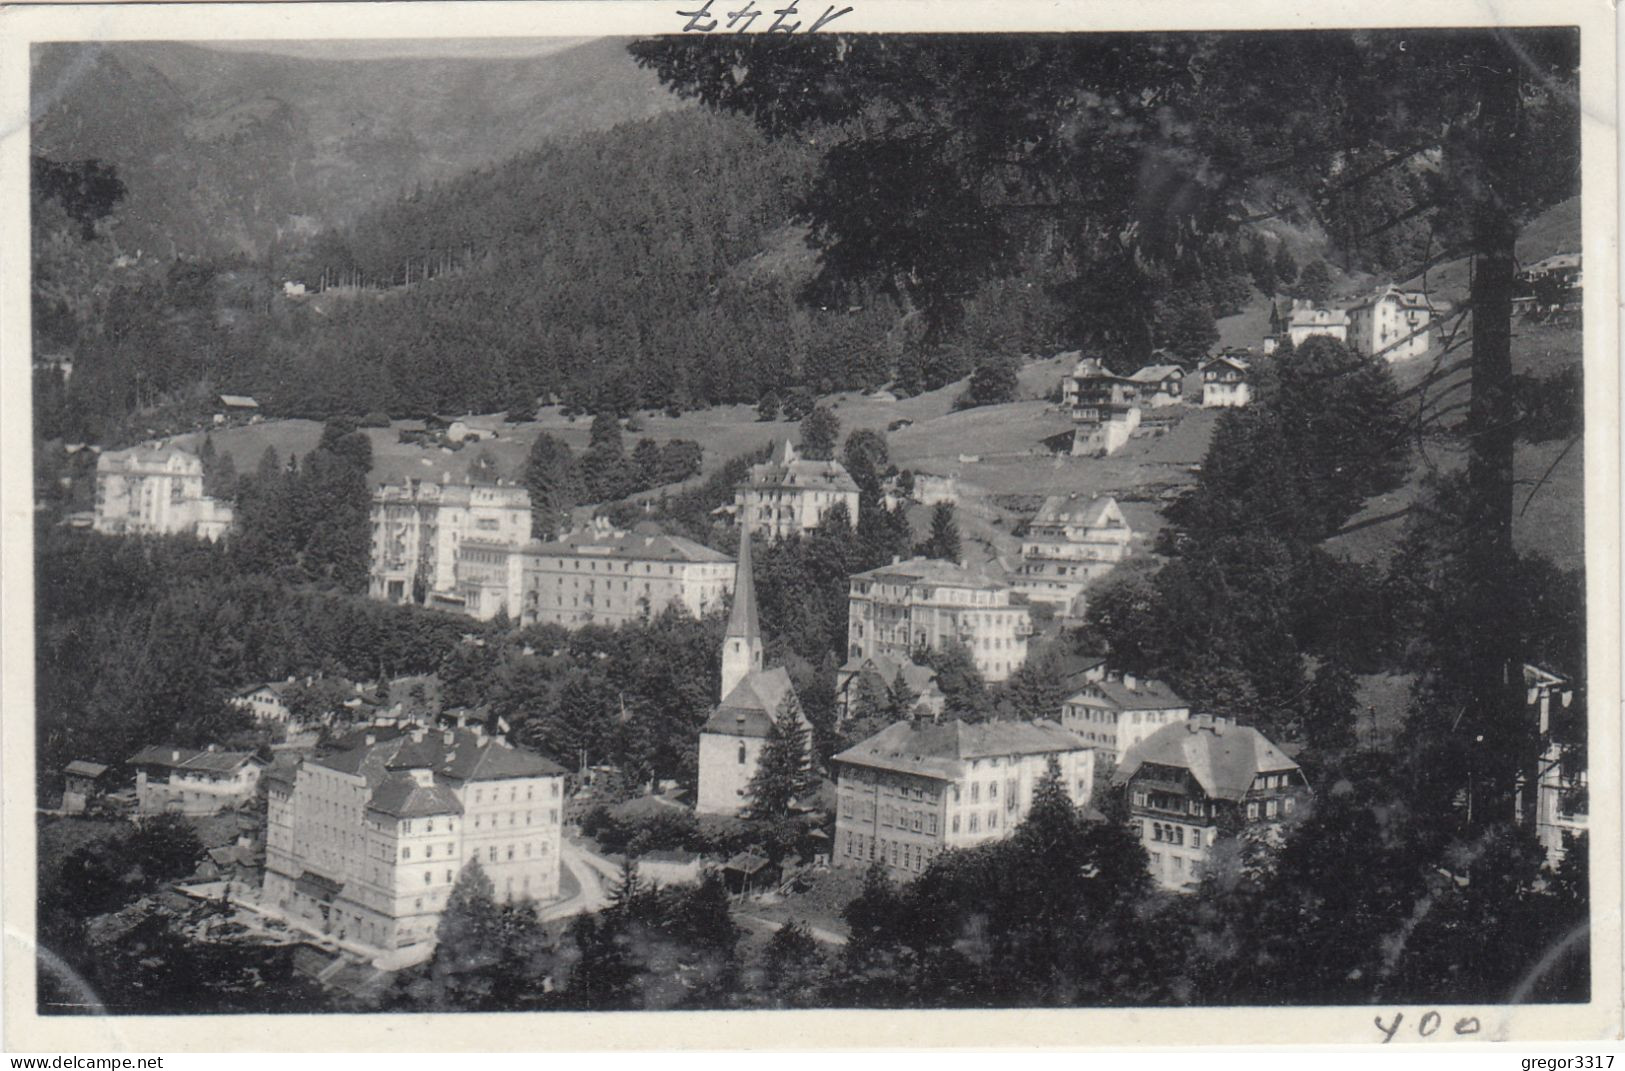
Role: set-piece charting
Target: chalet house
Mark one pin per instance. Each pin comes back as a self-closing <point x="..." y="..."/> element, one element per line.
<point x="1105" y="407"/>
<point x="920" y="680"/>
<point x="1392" y="324"/>
<point x="1120" y="710"/>
<point x="1190" y="781"/>
<point x="171" y="780"/>
<point x="267" y="702"/>
<point x="1303" y="319"/>
<point x="1224" y="382"/>
<point x="1161" y="384"/>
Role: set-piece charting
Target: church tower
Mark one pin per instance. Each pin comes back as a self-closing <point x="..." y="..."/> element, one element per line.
<point x="742" y="643"/>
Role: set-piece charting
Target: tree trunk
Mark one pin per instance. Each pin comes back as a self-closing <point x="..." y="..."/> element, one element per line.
<point x="1497" y="740"/>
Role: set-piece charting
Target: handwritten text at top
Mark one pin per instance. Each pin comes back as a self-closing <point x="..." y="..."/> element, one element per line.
<point x="742" y="21"/>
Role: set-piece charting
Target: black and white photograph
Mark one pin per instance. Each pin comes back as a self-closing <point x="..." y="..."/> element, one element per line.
<point x="767" y="514"/>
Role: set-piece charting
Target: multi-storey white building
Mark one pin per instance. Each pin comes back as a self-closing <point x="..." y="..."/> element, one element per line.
<point x="791" y="494"/>
<point x="926" y="603"/>
<point x="916" y="788"/>
<point x="1105" y="407"/>
<point x="603" y="576"/>
<point x="1392" y="323"/>
<point x="1119" y="710"/>
<point x="153" y="491"/>
<point x="367" y="841"/>
<point x="418" y="527"/>
<point x="1070" y="542"/>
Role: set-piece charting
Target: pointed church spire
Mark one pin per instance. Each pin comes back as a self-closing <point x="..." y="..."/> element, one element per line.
<point x="742" y="621"/>
<point x="742" y="643"/>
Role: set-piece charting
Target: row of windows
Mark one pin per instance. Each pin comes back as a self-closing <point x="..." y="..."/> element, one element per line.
<point x="903" y="854"/>
<point x="974" y="822"/>
<point x="1168" y="833"/>
<point x="1271" y="808"/>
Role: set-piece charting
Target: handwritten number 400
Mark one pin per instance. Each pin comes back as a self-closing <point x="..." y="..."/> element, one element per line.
<point x="702" y="21"/>
<point x="1428" y="1026"/>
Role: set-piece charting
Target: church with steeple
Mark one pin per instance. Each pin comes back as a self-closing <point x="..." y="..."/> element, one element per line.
<point x="733" y="738"/>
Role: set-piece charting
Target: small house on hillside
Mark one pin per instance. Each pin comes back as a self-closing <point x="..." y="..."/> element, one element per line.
<point x="82" y="782"/>
<point x="1225" y="382"/>
<point x="1161" y="384"/>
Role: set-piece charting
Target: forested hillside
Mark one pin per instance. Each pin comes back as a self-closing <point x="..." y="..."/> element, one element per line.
<point x="230" y="152"/>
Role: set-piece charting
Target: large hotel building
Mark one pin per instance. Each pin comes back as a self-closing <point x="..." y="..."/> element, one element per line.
<point x="927" y="603"/>
<point x="368" y="840"/>
<point x="917" y="788"/>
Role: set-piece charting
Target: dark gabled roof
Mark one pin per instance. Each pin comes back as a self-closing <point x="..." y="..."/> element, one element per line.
<point x="750" y="708"/>
<point x="1223" y="757"/>
<point x="186" y="759"/>
<point x="1156" y="373"/>
<point x="1145" y="695"/>
<point x="748" y="863"/>
<point x="940" y="750"/>
<point x="920" y="679"/>
<point x="400" y="796"/>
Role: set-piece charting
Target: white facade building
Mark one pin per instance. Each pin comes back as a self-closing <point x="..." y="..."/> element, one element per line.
<point x="156" y="491"/>
<point x="931" y="604"/>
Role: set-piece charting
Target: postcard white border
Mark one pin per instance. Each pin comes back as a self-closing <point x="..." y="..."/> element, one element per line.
<point x="1600" y="1020"/>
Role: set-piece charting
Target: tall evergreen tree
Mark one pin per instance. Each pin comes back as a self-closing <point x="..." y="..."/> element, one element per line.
<point x="785" y="771"/>
<point x="553" y="481"/>
<point x="943" y="540"/>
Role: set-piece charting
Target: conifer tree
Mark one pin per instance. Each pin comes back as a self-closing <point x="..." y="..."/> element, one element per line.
<point x="943" y="540"/>
<point x="785" y="772"/>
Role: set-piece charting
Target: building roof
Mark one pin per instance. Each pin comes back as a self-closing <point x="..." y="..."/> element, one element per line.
<point x="742" y="621"/>
<point x="277" y="688"/>
<point x="1238" y="363"/>
<point x="940" y="750"/>
<point x="147" y="456"/>
<point x="1305" y="313"/>
<point x="1119" y="695"/>
<point x="919" y="679"/>
<point x="789" y="469"/>
<point x="238" y="401"/>
<point x="645" y="542"/>
<point x="933" y="571"/>
<point x="1222" y="756"/>
<point x="83" y="768"/>
<point x="400" y="796"/>
<point x="1156" y="373"/>
<point x="748" y="863"/>
<point x="186" y="759"/>
<point x="456" y="754"/>
<point x="1060" y="510"/>
<point x="1410" y="299"/>
<point x="750" y="708"/>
